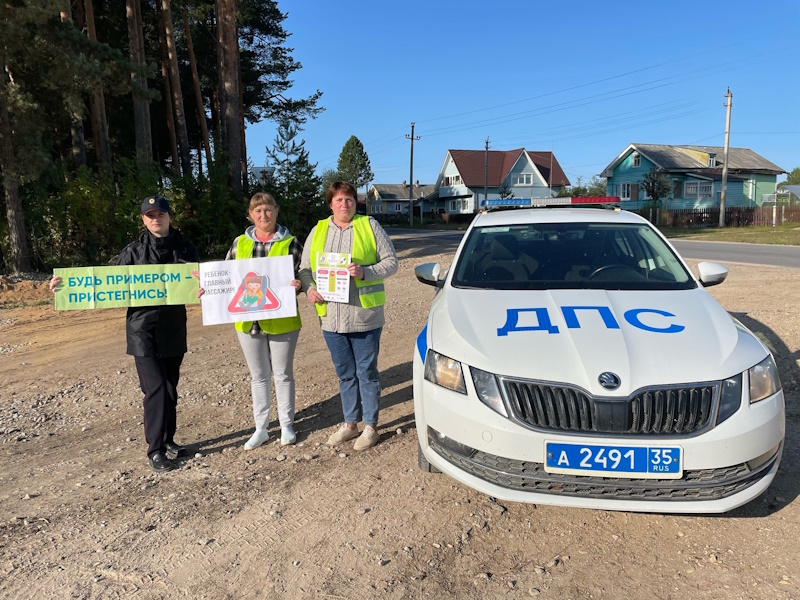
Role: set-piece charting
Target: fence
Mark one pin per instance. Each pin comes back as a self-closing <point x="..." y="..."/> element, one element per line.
<point x="735" y="216"/>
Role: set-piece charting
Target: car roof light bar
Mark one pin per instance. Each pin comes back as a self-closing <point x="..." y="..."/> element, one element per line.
<point x="612" y="202"/>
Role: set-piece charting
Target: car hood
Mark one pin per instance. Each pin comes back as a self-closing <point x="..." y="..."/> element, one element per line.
<point x="572" y="336"/>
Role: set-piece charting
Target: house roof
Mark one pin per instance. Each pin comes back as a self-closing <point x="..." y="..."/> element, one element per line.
<point x="399" y="191"/>
<point x="793" y="189"/>
<point x="478" y="166"/>
<point x="714" y="174"/>
<point x="682" y="158"/>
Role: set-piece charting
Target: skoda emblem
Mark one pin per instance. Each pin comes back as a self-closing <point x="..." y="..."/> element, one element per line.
<point x="609" y="380"/>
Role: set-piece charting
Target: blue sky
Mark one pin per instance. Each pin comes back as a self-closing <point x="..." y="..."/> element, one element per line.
<point x="581" y="78"/>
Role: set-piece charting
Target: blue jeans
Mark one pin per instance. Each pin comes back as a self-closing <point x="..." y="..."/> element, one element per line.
<point x="355" y="358"/>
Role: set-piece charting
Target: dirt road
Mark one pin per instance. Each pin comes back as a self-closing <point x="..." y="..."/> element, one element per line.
<point x="83" y="516"/>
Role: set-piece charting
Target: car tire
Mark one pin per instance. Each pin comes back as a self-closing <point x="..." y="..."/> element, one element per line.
<point x="423" y="463"/>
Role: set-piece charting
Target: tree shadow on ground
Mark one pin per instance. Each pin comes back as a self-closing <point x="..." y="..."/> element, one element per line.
<point x="328" y="413"/>
<point x="323" y="415"/>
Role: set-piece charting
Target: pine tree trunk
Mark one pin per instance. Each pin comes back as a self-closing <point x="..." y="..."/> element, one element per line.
<point x="97" y="105"/>
<point x="245" y="178"/>
<point x="78" y="151"/>
<point x="141" y="106"/>
<point x="200" y="158"/>
<point x="170" y="114"/>
<point x="78" y="142"/>
<point x="177" y="95"/>
<point x="17" y="234"/>
<point x="198" y="97"/>
<point x="229" y="91"/>
<point x="215" y="121"/>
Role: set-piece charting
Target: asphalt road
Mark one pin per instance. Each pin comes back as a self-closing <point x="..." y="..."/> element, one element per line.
<point x="757" y="254"/>
<point x="723" y="252"/>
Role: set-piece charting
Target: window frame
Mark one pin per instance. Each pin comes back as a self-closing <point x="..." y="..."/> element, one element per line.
<point x="519" y="179"/>
<point x="622" y="194"/>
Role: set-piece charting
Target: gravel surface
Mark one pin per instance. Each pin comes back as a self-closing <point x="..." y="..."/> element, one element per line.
<point x="83" y="516"/>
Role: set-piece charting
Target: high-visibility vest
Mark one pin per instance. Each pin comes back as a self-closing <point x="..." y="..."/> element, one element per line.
<point x="244" y="249"/>
<point x="364" y="252"/>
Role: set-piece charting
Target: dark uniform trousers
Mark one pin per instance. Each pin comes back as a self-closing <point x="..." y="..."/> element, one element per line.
<point x="158" y="378"/>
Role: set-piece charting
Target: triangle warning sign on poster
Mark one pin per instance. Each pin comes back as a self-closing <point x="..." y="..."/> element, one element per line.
<point x="254" y="295"/>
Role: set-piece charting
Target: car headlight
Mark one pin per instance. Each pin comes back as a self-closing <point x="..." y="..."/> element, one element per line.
<point x="764" y="380"/>
<point x="488" y="390"/>
<point x="445" y="372"/>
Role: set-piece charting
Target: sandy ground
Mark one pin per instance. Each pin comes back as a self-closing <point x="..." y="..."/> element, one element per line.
<point x="83" y="516"/>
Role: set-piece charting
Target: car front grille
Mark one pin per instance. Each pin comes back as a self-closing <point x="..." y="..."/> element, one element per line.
<point x="703" y="484"/>
<point x="666" y="411"/>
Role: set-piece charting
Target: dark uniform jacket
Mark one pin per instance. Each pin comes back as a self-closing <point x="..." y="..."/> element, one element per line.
<point x="157" y="330"/>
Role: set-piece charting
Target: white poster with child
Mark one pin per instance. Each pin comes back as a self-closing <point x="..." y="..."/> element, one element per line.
<point x="252" y="289"/>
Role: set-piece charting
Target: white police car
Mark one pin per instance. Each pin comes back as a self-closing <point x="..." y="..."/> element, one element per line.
<point x="571" y="357"/>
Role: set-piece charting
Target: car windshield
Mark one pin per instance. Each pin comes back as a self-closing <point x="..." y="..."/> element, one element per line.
<point x="569" y="256"/>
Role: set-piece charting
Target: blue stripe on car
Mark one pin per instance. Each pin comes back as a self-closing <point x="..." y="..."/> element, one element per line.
<point x="422" y="342"/>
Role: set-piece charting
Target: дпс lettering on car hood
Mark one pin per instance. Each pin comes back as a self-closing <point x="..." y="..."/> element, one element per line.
<point x="574" y="335"/>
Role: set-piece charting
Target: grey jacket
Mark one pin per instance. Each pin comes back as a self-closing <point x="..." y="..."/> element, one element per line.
<point x="352" y="317"/>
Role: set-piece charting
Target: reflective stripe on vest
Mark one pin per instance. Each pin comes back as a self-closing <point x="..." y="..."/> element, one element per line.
<point x="244" y="249"/>
<point x="364" y="252"/>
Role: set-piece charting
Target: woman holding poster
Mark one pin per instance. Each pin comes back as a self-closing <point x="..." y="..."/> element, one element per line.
<point x="156" y="335"/>
<point x="352" y="317"/>
<point x="269" y="344"/>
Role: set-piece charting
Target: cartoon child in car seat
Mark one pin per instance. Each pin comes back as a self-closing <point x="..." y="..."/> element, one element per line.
<point x="253" y="296"/>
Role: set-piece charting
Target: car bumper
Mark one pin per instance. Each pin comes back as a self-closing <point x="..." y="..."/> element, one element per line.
<point x="723" y="468"/>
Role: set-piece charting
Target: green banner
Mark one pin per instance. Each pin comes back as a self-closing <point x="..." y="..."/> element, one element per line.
<point x="134" y="285"/>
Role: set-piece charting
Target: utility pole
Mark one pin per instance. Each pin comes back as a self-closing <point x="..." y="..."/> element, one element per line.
<point x="411" y="179"/>
<point x="728" y="103"/>
<point x="486" y="174"/>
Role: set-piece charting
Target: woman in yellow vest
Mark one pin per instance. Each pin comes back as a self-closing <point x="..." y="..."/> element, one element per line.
<point x="352" y="329"/>
<point x="269" y="345"/>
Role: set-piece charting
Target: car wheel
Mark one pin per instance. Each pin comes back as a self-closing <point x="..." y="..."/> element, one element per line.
<point x="423" y="463"/>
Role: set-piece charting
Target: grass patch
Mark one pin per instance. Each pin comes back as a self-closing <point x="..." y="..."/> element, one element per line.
<point x="787" y="234"/>
<point x="23" y="304"/>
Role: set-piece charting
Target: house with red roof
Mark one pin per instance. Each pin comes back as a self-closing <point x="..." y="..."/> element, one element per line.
<point x="472" y="179"/>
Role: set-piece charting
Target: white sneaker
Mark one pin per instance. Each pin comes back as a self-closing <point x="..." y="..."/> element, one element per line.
<point x="288" y="436"/>
<point x="258" y="438"/>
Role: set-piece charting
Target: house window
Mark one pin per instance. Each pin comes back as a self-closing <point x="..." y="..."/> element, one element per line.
<point x="522" y="179"/>
<point x="376" y="208"/>
<point x="452" y="180"/>
<point x="397" y="208"/>
<point x="458" y="206"/>
<point x="637" y="160"/>
<point x="625" y="191"/>
<point x="698" y="189"/>
<point x="712" y="161"/>
<point x="677" y="189"/>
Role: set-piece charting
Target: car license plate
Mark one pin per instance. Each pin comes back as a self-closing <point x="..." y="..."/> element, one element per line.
<point x="645" y="462"/>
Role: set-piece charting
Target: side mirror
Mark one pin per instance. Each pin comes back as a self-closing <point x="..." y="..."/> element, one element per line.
<point x="712" y="273"/>
<point x="428" y="273"/>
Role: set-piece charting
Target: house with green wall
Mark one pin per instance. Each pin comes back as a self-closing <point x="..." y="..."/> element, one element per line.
<point x="695" y="174"/>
